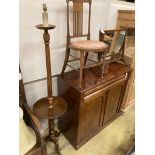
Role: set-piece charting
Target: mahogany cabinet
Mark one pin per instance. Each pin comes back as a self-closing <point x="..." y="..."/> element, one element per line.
<point x="93" y="106"/>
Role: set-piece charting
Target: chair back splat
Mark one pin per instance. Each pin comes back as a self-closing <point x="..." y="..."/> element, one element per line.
<point x="77" y="14"/>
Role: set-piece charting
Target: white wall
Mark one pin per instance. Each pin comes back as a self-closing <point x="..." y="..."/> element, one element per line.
<point x="32" y="58"/>
<point x="113" y="11"/>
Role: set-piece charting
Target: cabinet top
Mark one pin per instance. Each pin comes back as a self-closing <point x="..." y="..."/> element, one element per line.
<point x="92" y="77"/>
<point x="126" y="11"/>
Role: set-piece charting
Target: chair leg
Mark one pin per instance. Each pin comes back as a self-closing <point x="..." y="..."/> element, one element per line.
<point x="66" y="60"/>
<point x="124" y="61"/>
<point x="86" y="56"/>
<point x="103" y="65"/>
<point x="81" y="67"/>
<point x="43" y="149"/>
<point x="99" y="57"/>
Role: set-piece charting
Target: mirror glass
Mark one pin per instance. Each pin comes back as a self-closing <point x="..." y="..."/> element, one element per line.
<point x="118" y="40"/>
<point x="115" y="40"/>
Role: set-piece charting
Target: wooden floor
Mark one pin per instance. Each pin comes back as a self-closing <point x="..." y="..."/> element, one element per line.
<point x="115" y="139"/>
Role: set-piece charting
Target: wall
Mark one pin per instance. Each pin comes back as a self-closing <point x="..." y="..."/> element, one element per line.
<point x="114" y="7"/>
<point x="31" y="50"/>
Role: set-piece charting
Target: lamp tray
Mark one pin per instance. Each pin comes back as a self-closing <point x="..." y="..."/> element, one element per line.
<point x="42" y="110"/>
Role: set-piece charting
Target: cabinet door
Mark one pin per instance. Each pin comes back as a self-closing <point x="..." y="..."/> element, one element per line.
<point x="113" y="102"/>
<point x="90" y="116"/>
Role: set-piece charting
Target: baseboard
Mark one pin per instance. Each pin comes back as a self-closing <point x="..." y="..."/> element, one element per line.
<point x="131" y="104"/>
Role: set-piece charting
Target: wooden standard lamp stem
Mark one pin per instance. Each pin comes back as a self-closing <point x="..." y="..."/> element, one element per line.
<point x="50" y="107"/>
<point x="46" y="38"/>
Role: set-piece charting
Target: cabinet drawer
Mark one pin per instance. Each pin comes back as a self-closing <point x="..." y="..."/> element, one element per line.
<point x="99" y="90"/>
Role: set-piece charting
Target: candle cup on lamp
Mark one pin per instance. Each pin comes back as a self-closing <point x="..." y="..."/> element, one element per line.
<point x="45" y="16"/>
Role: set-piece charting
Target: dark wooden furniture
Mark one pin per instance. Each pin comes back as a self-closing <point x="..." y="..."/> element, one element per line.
<point x="93" y="106"/>
<point x="50" y="107"/>
<point x="31" y="120"/>
<point x="85" y="46"/>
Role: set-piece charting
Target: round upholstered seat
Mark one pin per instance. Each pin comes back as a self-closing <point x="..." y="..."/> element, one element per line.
<point x="89" y="45"/>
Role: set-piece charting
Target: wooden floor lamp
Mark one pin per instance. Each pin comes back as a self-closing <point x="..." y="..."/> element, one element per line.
<point x="50" y="107"/>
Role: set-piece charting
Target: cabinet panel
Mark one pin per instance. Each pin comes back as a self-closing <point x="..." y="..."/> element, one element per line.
<point x="114" y="96"/>
<point x="90" y="116"/>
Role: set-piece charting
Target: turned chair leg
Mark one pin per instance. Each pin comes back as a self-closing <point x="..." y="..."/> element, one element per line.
<point x="123" y="60"/>
<point x="86" y="56"/>
<point x="99" y="56"/>
<point x="81" y="67"/>
<point x="66" y="60"/>
<point x="103" y="65"/>
<point x="44" y="149"/>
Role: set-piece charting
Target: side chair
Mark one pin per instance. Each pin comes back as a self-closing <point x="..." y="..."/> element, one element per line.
<point x="75" y="30"/>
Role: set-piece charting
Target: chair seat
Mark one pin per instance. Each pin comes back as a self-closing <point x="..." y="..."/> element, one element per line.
<point x="89" y="45"/>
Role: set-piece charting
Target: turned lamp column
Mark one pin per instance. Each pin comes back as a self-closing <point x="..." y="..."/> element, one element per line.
<point x="53" y="134"/>
<point x="46" y="38"/>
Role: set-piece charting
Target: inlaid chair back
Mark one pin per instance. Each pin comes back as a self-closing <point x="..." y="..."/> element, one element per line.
<point x="75" y="11"/>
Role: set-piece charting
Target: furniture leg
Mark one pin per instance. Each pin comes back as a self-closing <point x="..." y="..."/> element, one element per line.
<point x="99" y="57"/>
<point x="81" y="67"/>
<point x="124" y="61"/>
<point x="86" y="56"/>
<point x="44" y="149"/>
<point x="103" y="65"/>
<point x="66" y="60"/>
